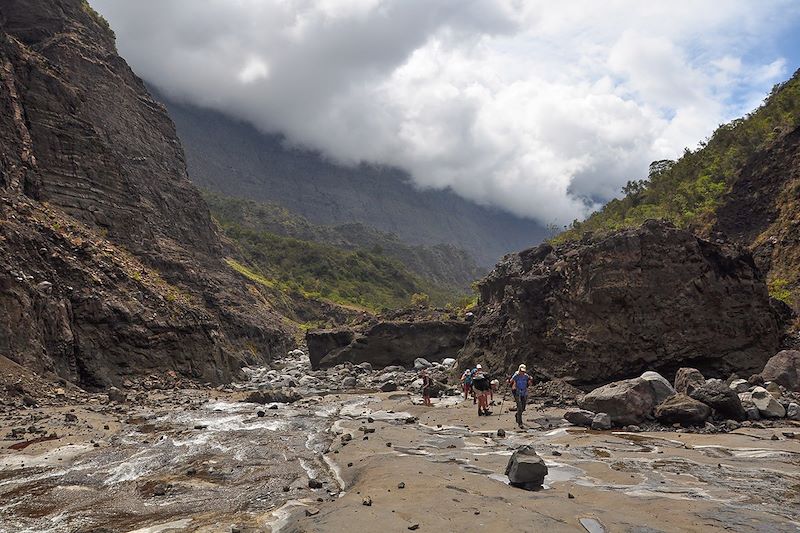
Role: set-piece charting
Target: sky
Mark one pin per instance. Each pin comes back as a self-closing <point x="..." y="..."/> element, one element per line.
<point x="543" y="109"/>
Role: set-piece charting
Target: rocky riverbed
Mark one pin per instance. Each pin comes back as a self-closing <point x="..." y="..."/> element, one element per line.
<point x="163" y="456"/>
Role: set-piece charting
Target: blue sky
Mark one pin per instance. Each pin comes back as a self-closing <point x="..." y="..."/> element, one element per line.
<point x="544" y="109"/>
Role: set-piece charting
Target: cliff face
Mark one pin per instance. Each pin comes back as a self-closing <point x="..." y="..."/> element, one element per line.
<point x="762" y="211"/>
<point x="110" y="263"/>
<point x="654" y="297"/>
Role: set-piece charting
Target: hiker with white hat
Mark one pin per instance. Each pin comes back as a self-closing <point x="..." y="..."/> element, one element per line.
<point x="519" y="387"/>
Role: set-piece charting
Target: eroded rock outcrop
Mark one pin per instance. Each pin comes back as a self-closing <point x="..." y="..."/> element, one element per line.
<point x="653" y="297"/>
<point x="110" y="264"/>
<point x="385" y="343"/>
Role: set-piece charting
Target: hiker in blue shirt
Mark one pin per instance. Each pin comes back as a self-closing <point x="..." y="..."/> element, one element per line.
<point x="519" y="387"/>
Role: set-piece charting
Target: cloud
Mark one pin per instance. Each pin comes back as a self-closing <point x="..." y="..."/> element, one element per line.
<point x="543" y="109"/>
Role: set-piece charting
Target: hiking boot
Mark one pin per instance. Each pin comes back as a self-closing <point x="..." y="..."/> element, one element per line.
<point x="487" y="412"/>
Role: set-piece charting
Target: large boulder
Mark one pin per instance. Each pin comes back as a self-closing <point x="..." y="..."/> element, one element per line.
<point x="784" y="369"/>
<point x="682" y="409"/>
<point x="385" y="343"/>
<point x="767" y="405"/>
<point x="653" y="297"/>
<point x="626" y="402"/>
<point x="662" y="389"/>
<point x="579" y="417"/>
<point x="687" y="380"/>
<point x="525" y="469"/>
<point x="719" y="396"/>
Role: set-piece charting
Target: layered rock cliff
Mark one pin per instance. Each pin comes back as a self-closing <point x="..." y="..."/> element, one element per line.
<point x="109" y="262"/>
<point x="762" y="212"/>
<point x="653" y="297"/>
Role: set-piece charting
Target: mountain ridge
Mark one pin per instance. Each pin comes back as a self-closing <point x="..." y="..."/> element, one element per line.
<point x="235" y="159"/>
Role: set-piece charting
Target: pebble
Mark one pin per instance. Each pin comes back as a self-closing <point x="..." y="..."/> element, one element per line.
<point x="367" y="501"/>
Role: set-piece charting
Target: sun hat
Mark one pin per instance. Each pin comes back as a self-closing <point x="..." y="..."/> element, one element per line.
<point x="523" y="368"/>
<point x="478" y="366"/>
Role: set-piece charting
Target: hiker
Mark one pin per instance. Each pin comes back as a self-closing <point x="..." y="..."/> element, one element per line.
<point x="519" y="388"/>
<point x="495" y="384"/>
<point x="466" y="379"/>
<point x="426" y="388"/>
<point x="481" y="386"/>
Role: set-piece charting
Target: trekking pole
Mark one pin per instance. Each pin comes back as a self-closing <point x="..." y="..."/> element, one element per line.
<point x="503" y="399"/>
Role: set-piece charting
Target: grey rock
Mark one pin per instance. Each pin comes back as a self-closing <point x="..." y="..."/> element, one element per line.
<point x="683" y="410"/>
<point x="388" y="386"/>
<point x="724" y="401"/>
<point x="116" y="395"/>
<point x="774" y="389"/>
<point x="627" y="402"/>
<point x="739" y="385"/>
<point x="793" y="411"/>
<point x="349" y="382"/>
<point x="421" y="362"/>
<point x="661" y="387"/>
<point x="784" y="369"/>
<point x="687" y="380"/>
<point x="601" y="421"/>
<point x="579" y="417"/>
<point x="525" y="469"/>
<point x="273" y="396"/>
<point x="767" y="405"/>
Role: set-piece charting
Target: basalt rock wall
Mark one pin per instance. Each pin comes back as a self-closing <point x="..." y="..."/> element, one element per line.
<point x="605" y="308"/>
<point x="109" y="261"/>
<point x="387" y="343"/>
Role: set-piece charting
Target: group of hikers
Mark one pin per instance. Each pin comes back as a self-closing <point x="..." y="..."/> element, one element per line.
<point x="477" y="383"/>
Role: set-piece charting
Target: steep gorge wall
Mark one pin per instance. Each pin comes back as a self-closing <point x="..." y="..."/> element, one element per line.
<point x="604" y="308"/>
<point x="109" y="262"/>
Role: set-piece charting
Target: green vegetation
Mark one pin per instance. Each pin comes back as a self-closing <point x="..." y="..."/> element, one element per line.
<point x="353" y="278"/>
<point x="779" y="289"/>
<point x="89" y="10"/>
<point x="348" y="265"/>
<point x="444" y="266"/>
<point x="687" y="191"/>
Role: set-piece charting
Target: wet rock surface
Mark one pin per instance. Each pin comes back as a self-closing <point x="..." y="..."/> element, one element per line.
<point x="305" y="465"/>
<point x="610" y="307"/>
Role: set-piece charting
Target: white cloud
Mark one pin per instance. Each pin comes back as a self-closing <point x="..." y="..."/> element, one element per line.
<point x="541" y="108"/>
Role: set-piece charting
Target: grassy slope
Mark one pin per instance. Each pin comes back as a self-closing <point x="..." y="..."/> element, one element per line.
<point x="358" y="279"/>
<point x="688" y="191"/>
<point x="442" y="265"/>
